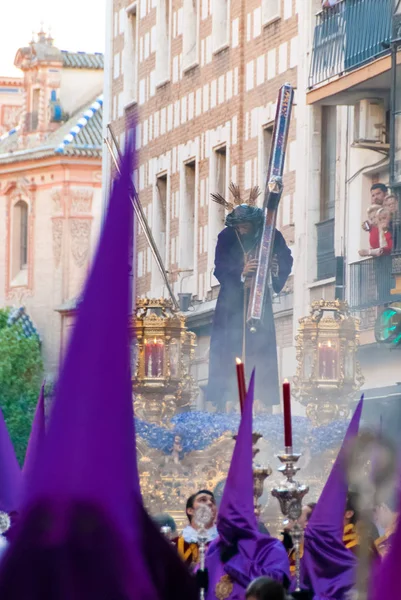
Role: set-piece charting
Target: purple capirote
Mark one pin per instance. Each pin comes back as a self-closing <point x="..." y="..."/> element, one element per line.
<point x="327" y="566"/>
<point x="10" y="472"/>
<point x="83" y="531"/>
<point x="36" y="438"/>
<point x="251" y="553"/>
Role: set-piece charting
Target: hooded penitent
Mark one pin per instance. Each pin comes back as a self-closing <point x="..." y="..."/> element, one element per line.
<point x="37" y="437"/>
<point x="328" y="567"/>
<point x="241" y="553"/>
<point x="83" y="526"/>
<point x="384" y="578"/>
<point x="10" y="472"/>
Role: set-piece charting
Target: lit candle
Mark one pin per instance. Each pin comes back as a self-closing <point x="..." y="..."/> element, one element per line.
<point x="287" y="414"/>
<point x="148" y="358"/>
<point x="161" y="358"/>
<point x="241" y="383"/>
<point x="155" y="358"/>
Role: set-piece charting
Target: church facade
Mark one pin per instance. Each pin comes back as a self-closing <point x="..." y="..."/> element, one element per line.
<point x="50" y="187"/>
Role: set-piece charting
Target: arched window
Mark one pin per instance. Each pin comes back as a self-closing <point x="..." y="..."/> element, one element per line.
<point x="23" y="256"/>
<point x="20" y="238"/>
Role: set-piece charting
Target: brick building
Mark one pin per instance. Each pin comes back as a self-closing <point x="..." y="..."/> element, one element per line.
<point x="202" y="78"/>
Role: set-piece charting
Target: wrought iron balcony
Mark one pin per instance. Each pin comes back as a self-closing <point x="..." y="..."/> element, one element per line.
<point x="326" y="261"/>
<point x="349" y="35"/>
<point x="370" y="283"/>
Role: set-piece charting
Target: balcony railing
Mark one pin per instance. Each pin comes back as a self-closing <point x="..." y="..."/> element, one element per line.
<point x="349" y="35"/>
<point x="326" y="262"/>
<point x="370" y="283"/>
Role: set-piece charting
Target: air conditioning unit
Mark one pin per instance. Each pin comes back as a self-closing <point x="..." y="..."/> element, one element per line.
<point x="370" y="122"/>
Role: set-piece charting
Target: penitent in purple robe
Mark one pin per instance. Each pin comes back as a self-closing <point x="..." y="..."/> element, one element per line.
<point x="10" y="472"/>
<point x="241" y="553"/>
<point x="84" y="533"/>
<point x="327" y="566"/>
<point x="227" y="330"/>
<point x="36" y="438"/>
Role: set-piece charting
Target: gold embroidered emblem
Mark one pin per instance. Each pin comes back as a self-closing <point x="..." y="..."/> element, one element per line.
<point x="224" y="588"/>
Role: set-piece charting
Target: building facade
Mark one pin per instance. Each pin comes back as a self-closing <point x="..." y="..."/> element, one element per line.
<point x="11" y="101"/>
<point x="345" y="137"/>
<point x="50" y="187"/>
<point x="201" y="78"/>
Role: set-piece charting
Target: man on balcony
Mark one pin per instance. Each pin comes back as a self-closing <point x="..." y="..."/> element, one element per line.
<point x="378" y="192"/>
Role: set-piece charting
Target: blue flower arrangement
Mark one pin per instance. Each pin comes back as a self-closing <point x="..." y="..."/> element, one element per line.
<point x="198" y="430"/>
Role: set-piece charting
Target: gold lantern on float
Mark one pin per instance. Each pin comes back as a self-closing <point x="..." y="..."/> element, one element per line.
<point x="328" y="373"/>
<point x="162" y="353"/>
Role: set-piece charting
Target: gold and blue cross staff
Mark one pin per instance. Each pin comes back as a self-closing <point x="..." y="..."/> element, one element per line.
<point x="273" y="191"/>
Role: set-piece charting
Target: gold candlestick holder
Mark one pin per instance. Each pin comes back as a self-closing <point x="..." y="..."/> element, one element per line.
<point x="290" y="494"/>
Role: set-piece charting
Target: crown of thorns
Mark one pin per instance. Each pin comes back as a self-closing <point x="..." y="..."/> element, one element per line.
<point x="234" y="189"/>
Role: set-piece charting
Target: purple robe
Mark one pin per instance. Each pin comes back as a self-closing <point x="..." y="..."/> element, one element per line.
<point x="226" y="339"/>
<point x="260" y="556"/>
<point x="241" y="553"/>
<point x="327" y="566"/>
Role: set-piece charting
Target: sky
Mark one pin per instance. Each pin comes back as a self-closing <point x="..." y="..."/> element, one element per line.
<point x="75" y="25"/>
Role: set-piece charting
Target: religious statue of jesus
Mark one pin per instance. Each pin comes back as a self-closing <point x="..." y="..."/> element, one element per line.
<point x="235" y="264"/>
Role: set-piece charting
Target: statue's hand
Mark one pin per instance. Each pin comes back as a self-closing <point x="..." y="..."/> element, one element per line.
<point x="250" y="267"/>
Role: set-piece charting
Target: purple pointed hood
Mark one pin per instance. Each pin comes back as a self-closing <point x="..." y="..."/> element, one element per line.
<point x="328" y="566"/>
<point x="384" y="580"/>
<point x="80" y="523"/>
<point x="84" y="532"/>
<point x="236" y="515"/>
<point x="10" y="472"/>
<point x="241" y="551"/>
<point x="36" y="439"/>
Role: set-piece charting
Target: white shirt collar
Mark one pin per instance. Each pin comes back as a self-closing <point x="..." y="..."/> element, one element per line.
<point x="190" y="534"/>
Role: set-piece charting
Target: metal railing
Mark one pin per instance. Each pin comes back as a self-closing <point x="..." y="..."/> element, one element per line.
<point x="348" y="35"/>
<point x="326" y="261"/>
<point x="370" y="283"/>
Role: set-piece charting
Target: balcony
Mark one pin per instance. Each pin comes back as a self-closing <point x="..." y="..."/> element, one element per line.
<point x="326" y="262"/>
<point x="370" y="283"/>
<point x="348" y="36"/>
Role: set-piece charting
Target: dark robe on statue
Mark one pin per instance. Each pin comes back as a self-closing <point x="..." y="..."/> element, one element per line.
<point x="226" y="339"/>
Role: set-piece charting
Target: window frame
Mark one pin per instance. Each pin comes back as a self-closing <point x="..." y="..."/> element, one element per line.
<point x="271" y="18"/>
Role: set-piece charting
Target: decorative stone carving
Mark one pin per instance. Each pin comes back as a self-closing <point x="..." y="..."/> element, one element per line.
<point x="19" y="189"/>
<point x="81" y="201"/>
<point x="11" y="115"/>
<point x="57" y="240"/>
<point x="57" y="202"/>
<point x="18" y="295"/>
<point x="80" y="230"/>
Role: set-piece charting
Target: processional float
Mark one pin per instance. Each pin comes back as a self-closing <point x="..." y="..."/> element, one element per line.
<point x="289" y="493"/>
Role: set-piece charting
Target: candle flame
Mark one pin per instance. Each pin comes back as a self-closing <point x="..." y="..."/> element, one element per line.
<point x="286" y="381"/>
<point x="155" y="341"/>
<point x="238" y="361"/>
<point x="329" y="343"/>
